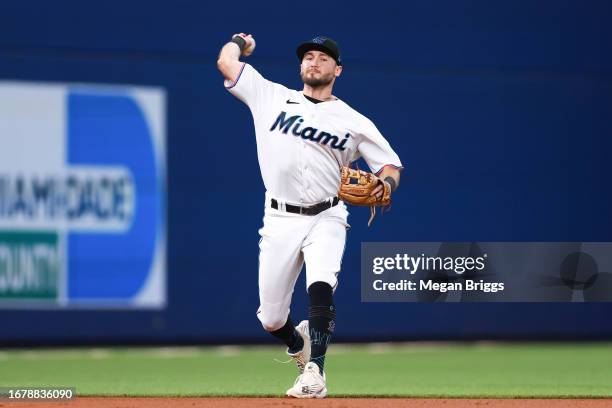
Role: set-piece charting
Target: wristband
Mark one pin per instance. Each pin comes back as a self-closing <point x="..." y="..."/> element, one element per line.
<point x="391" y="182"/>
<point x="241" y="42"/>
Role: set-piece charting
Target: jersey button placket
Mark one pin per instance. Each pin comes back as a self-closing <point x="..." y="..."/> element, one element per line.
<point x="305" y="175"/>
<point x="305" y="169"/>
<point x="301" y="169"/>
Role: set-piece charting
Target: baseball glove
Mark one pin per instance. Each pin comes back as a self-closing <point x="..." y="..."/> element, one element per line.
<point x="356" y="186"/>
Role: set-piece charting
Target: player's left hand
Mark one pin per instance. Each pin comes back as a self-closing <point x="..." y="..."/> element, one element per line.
<point x="378" y="191"/>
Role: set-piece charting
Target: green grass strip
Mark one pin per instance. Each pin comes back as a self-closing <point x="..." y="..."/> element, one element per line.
<point x="417" y="370"/>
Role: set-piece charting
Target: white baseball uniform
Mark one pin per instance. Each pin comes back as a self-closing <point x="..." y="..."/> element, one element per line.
<point x="301" y="146"/>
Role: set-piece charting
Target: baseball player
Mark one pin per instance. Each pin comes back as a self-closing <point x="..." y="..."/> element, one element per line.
<point x="303" y="138"/>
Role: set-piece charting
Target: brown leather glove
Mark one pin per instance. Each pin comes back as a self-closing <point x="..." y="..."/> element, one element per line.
<point x="356" y="186"/>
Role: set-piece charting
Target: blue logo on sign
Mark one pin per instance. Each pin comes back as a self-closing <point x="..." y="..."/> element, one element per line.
<point x="111" y="130"/>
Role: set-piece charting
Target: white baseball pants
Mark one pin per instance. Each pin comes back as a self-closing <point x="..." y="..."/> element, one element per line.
<point x="287" y="242"/>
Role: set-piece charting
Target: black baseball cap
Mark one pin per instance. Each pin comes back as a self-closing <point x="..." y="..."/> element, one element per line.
<point x="320" y="43"/>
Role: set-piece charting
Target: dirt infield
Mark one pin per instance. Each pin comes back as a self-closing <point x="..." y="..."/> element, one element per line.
<point x="188" y="402"/>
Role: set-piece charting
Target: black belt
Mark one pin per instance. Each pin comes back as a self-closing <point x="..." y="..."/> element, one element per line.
<point x="311" y="210"/>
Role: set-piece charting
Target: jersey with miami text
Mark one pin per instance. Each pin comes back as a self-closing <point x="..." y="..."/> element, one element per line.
<point x="301" y="145"/>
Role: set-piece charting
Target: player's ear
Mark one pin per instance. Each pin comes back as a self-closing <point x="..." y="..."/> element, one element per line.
<point x="338" y="70"/>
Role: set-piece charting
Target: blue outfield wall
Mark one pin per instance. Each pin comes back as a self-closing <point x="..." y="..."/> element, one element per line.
<point x="500" y="111"/>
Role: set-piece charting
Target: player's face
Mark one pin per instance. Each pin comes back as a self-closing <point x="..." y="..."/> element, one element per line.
<point x="318" y="69"/>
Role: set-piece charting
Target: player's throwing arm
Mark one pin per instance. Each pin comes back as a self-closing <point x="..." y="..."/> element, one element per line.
<point x="228" y="62"/>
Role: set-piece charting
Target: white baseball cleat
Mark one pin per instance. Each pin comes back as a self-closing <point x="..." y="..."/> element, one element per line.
<point x="303" y="356"/>
<point x="310" y="384"/>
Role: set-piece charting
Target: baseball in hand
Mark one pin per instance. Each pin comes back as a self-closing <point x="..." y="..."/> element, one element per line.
<point x="250" y="47"/>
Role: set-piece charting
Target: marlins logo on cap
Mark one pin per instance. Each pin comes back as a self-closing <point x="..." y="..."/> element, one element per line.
<point x="323" y="44"/>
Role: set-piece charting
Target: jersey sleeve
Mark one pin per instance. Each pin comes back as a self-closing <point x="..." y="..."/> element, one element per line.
<point x="250" y="87"/>
<point x="376" y="151"/>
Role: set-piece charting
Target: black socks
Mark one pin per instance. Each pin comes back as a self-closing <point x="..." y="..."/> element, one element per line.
<point x="288" y="335"/>
<point x="321" y="320"/>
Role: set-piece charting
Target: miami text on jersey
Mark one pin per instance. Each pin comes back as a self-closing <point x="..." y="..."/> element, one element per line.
<point x="308" y="133"/>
